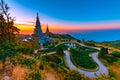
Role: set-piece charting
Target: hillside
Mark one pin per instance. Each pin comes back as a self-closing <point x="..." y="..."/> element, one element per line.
<point x="113" y="43"/>
<point x="61" y="36"/>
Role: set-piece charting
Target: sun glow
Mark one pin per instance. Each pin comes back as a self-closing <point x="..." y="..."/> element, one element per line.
<point x="28" y="27"/>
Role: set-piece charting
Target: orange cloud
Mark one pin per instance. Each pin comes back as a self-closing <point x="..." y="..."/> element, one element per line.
<point x="28" y="27"/>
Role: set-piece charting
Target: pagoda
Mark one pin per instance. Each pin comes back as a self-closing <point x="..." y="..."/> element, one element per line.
<point x="38" y="33"/>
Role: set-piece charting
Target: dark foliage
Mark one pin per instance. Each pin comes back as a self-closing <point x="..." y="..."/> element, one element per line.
<point x="59" y="51"/>
<point x="36" y="75"/>
<point x="63" y="46"/>
<point x="7" y="50"/>
<point x="24" y="48"/>
<point x="116" y="54"/>
<point x="27" y="62"/>
<point x="73" y="75"/>
<point x="7" y="28"/>
<point x="103" y="52"/>
<point x="51" y="58"/>
<point x="110" y="59"/>
<point x="41" y="67"/>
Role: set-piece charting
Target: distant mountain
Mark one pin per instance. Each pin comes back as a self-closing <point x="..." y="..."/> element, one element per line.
<point x="61" y="36"/>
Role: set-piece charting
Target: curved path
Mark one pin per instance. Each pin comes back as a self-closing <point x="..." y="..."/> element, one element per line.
<point x="102" y="69"/>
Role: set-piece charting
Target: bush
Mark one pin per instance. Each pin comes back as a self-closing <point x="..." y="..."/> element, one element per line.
<point x="59" y="51"/>
<point x="116" y="54"/>
<point x="36" y="75"/>
<point x="28" y="62"/>
<point x="103" y="52"/>
<point x="63" y="46"/>
<point x="52" y="65"/>
<point x="73" y="75"/>
<point x="7" y="50"/>
<point x="24" y="48"/>
<point x="110" y="59"/>
<point x="52" y="58"/>
<point x="82" y="48"/>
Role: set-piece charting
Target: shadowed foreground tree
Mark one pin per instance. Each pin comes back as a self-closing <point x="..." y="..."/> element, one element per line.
<point x="73" y="75"/>
<point x="7" y="28"/>
<point x="59" y="51"/>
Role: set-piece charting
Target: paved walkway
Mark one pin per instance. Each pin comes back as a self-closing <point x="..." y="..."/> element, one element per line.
<point x="102" y="69"/>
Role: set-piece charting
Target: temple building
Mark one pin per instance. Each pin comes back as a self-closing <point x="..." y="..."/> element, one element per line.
<point x="39" y="35"/>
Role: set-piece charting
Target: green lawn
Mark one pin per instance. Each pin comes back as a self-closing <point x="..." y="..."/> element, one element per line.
<point x="82" y="59"/>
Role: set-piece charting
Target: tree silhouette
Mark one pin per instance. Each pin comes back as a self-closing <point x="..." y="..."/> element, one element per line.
<point x="7" y="28"/>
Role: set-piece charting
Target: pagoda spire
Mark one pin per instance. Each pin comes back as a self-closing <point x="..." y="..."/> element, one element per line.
<point x="47" y="30"/>
<point x="37" y="16"/>
<point x="38" y="29"/>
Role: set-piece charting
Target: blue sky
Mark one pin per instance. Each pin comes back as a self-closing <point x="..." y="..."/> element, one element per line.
<point x="67" y="15"/>
<point x="73" y="10"/>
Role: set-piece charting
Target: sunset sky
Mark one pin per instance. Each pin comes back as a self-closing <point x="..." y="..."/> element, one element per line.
<point x="66" y="15"/>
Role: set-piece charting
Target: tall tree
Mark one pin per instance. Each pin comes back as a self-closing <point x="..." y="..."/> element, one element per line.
<point x="103" y="51"/>
<point x="7" y="28"/>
